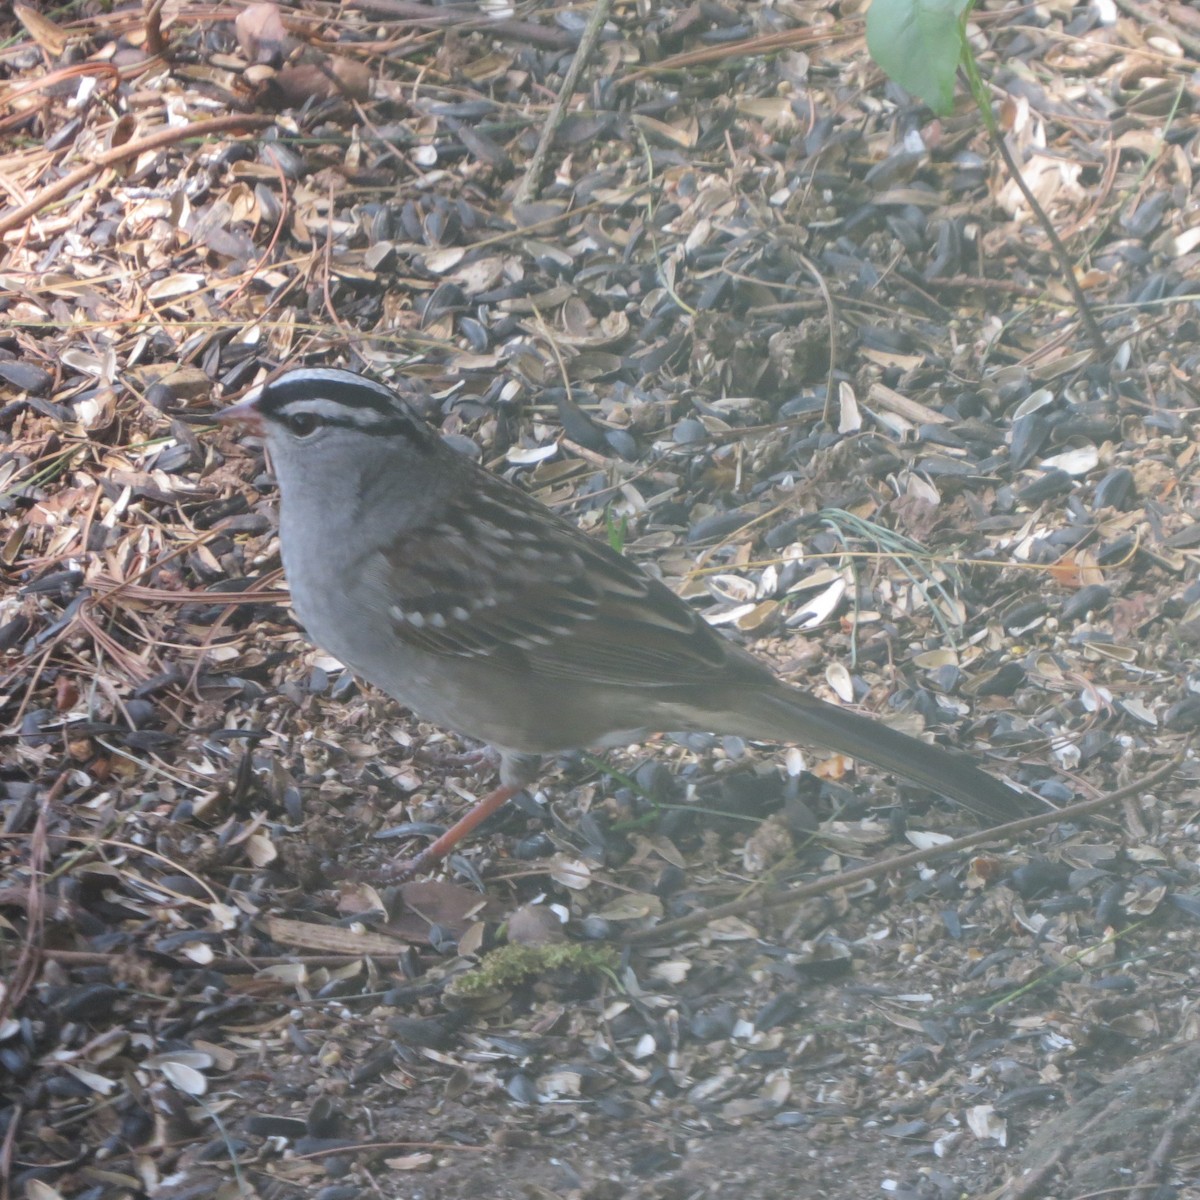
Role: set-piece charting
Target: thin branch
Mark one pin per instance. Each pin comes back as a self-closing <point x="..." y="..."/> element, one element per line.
<point x="532" y="183"/>
<point x="107" y="158"/>
<point x="873" y="870"/>
<point x="983" y="102"/>
<point x="427" y="16"/>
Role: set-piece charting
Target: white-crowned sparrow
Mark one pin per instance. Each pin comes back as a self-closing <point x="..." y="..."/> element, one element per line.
<point x="481" y="610"/>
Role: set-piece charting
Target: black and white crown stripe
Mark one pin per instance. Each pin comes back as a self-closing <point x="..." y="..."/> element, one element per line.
<point x="337" y="398"/>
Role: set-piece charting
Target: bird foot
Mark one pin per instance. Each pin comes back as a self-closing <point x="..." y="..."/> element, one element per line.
<point x="441" y="756"/>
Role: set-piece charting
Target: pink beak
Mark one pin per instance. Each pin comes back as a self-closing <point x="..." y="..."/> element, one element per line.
<point x="245" y="413"/>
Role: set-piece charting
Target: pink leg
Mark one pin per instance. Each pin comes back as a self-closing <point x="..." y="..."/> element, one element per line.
<point x="438" y="850"/>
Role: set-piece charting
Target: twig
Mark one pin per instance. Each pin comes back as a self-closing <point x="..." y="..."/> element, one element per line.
<point x="358" y="1147"/>
<point x="1180" y="1122"/>
<point x="247" y="965"/>
<point x="996" y="136"/>
<point x="1095" y="336"/>
<point x="90" y="843"/>
<point x="24" y="971"/>
<point x="831" y="313"/>
<point x="426" y="16"/>
<point x="107" y="158"/>
<point x="874" y="870"/>
<point x="1009" y="287"/>
<point x="532" y="183"/>
<point x="6" y="1150"/>
<point x="767" y="43"/>
<point x="155" y="42"/>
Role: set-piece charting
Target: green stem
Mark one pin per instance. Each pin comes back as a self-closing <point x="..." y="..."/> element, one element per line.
<point x="984" y="103"/>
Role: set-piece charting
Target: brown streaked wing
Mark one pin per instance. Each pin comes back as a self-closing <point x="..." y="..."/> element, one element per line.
<point x="532" y="591"/>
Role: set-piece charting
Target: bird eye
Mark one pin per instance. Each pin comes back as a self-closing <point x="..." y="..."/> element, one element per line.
<point x="302" y="424"/>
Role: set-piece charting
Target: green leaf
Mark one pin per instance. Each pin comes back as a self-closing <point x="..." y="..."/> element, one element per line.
<point x="919" y="43"/>
<point x="617" y="530"/>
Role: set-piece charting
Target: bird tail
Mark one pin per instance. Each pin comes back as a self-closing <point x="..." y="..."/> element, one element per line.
<point x="789" y="715"/>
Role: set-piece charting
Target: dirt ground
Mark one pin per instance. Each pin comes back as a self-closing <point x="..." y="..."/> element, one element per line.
<point x="786" y="338"/>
